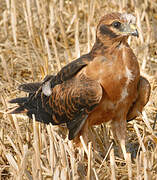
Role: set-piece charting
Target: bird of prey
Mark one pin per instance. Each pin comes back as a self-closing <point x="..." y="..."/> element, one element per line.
<point x="103" y="85"/>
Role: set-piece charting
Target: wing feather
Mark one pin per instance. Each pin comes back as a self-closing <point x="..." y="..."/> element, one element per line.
<point x="142" y="99"/>
<point x="72" y="101"/>
<point x="71" y="69"/>
<point x="64" y="98"/>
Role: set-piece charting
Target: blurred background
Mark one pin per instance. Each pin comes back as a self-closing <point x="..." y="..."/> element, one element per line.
<point x="39" y="37"/>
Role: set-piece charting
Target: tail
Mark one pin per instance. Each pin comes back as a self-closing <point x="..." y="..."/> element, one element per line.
<point x="31" y="104"/>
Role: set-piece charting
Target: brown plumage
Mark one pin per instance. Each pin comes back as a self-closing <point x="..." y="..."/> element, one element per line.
<point x="103" y="85"/>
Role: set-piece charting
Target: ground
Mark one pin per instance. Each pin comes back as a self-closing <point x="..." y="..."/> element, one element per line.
<point x="38" y="38"/>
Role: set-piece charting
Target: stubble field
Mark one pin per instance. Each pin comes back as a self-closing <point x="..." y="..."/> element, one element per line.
<point x="39" y="37"/>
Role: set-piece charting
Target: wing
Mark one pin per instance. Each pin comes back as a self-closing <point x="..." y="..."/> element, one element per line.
<point x="66" y="73"/>
<point x="71" y="69"/>
<point x="69" y="102"/>
<point x="142" y="99"/>
<point x="72" y="101"/>
<point x="40" y="95"/>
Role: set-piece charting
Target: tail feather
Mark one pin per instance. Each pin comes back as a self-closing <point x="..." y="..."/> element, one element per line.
<point x="17" y="110"/>
<point x="25" y="104"/>
<point x="32" y="104"/>
<point x="19" y="100"/>
<point x="30" y="87"/>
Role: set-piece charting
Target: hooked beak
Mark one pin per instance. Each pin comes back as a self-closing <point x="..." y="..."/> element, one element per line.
<point x="135" y="33"/>
<point x="133" y="30"/>
<point x="130" y="29"/>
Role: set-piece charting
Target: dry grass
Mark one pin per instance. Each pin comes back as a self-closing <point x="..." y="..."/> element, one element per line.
<point x="38" y="37"/>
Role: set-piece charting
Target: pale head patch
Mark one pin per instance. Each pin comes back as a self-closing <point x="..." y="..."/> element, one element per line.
<point x="129" y="18"/>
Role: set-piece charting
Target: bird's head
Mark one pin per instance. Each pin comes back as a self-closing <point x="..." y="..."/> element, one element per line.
<point x="116" y="26"/>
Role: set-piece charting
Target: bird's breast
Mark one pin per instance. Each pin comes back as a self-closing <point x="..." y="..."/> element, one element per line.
<point x="118" y="75"/>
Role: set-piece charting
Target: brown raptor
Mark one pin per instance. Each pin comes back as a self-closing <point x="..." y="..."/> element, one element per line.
<point x="103" y="85"/>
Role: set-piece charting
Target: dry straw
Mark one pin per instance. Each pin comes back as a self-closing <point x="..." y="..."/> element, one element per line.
<point x="38" y="37"/>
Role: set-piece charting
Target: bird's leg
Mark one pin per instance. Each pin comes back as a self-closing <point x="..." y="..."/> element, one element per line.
<point x="119" y="133"/>
<point x="84" y="133"/>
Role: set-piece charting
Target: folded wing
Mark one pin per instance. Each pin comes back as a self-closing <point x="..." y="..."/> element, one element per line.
<point x="69" y="102"/>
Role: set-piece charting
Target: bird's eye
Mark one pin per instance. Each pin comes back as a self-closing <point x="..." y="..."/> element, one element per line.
<point x="116" y="24"/>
